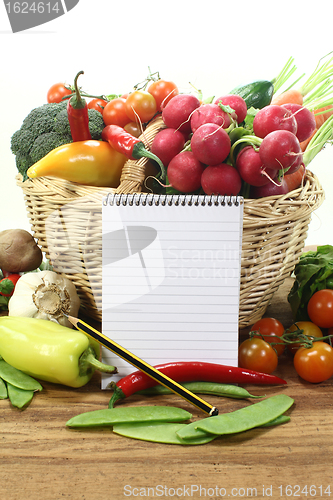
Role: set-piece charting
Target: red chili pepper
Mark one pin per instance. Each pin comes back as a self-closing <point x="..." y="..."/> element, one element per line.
<point x="130" y="146"/>
<point x="191" y="371"/>
<point x="77" y="112"/>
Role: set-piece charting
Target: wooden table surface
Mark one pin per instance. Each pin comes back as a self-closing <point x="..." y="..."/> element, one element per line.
<point x="41" y="458"/>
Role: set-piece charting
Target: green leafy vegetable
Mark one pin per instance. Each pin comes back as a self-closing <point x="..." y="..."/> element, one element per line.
<point x="313" y="272"/>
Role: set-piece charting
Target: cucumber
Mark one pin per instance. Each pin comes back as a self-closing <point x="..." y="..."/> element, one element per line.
<point x="257" y="94"/>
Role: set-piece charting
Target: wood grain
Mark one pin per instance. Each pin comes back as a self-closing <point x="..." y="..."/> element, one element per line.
<point x="41" y="458"/>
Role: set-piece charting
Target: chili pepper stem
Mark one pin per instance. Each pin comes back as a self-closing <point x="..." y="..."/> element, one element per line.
<point x="117" y="394"/>
<point x="140" y="151"/>
<point x="88" y="359"/>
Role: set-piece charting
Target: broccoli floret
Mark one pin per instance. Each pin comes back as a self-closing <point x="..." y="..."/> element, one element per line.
<point x="23" y="162"/>
<point x="96" y="124"/>
<point x="61" y="123"/>
<point x="22" y="141"/>
<point x="46" y="143"/>
<point x="44" y="129"/>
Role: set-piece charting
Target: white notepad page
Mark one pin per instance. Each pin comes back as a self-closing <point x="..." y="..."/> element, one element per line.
<point x="171" y="278"/>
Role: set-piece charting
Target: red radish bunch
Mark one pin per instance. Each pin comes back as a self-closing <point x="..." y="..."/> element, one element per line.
<point x="197" y="149"/>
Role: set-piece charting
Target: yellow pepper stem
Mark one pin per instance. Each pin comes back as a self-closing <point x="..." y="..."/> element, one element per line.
<point x="88" y="362"/>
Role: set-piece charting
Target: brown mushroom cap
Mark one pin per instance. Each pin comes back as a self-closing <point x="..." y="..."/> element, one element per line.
<point x="19" y="251"/>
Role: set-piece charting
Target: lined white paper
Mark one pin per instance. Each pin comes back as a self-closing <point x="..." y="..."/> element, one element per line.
<point x="171" y="278"/>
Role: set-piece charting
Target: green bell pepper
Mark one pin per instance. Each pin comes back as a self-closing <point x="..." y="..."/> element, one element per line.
<point x="48" y="351"/>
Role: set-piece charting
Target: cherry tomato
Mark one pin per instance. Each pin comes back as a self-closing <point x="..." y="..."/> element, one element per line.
<point x="256" y="354"/>
<point x="133" y="128"/>
<point x="309" y="329"/>
<point x="162" y="91"/>
<point x="314" y="364"/>
<point x="8" y="284"/>
<point x="97" y="104"/>
<point x="320" y="308"/>
<point x="269" y="329"/>
<point x="140" y="106"/>
<point x="57" y="92"/>
<point x="115" y="112"/>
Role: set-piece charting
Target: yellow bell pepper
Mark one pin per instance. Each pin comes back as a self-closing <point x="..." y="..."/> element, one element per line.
<point x="48" y="351"/>
<point x="93" y="163"/>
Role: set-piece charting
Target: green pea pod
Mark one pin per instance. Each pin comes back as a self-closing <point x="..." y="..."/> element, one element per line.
<point x="17" y="378"/>
<point x="19" y="397"/>
<point x="159" y="433"/>
<point x="282" y="419"/>
<point x="112" y="416"/>
<point x="3" y="390"/>
<point x="215" y="389"/>
<point x="256" y="415"/>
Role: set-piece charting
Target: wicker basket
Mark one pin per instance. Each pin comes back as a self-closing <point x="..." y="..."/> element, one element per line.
<point x="66" y="220"/>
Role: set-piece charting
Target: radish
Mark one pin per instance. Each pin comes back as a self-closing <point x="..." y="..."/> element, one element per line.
<point x="269" y="189"/>
<point x="237" y="103"/>
<point x="184" y="172"/>
<point x="209" y="113"/>
<point x="280" y="149"/>
<point x="178" y="110"/>
<point x="210" y="144"/>
<point x="288" y="183"/>
<point x="251" y="169"/>
<point x="306" y="122"/>
<point x="167" y="143"/>
<point x="221" y="179"/>
<point x="273" y="117"/>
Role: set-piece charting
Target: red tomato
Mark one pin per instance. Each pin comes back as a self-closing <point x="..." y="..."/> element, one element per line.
<point x="309" y="329"/>
<point x="269" y="329"/>
<point x="162" y="91"/>
<point x="314" y="364"/>
<point x="140" y="106"/>
<point x="9" y="283"/>
<point x="115" y="112"/>
<point x="57" y="92"/>
<point x="97" y="104"/>
<point x="256" y="354"/>
<point x="320" y="308"/>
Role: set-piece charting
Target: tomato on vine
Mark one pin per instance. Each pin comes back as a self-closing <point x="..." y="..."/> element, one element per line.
<point x="314" y="364"/>
<point x="133" y="128"/>
<point x="309" y="329"/>
<point x="162" y="91"/>
<point x="97" y="104"/>
<point x="7" y="284"/>
<point x="256" y="354"/>
<point x="269" y="329"/>
<point x="57" y="92"/>
<point x="320" y="308"/>
<point x="115" y="112"/>
<point x="140" y="106"/>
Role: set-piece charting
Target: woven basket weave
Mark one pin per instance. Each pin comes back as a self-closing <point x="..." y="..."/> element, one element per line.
<point x="66" y="220"/>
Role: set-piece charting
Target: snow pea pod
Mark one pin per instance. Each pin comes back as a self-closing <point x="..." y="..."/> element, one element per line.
<point x="17" y="378"/>
<point x="3" y="390"/>
<point x="241" y="420"/>
<point x="282" y="419"/>
<point x="166" y="433"/>
<point x="216" y="389"/>
<point x="130" y="414"/>
<point x="19" y="397"/>
<point x="159" y="433"/>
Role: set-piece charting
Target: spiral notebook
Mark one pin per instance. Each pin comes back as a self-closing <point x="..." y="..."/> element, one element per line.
<point x="171" y="278"/>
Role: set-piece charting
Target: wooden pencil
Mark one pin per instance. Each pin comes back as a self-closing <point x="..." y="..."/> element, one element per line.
<point x="143" y="366"/>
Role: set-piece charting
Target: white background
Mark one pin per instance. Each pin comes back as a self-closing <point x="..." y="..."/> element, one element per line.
<point x="215" y="45"/>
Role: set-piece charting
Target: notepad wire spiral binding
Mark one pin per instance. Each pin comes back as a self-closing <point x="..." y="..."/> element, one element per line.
<point x="150" y="199"/>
